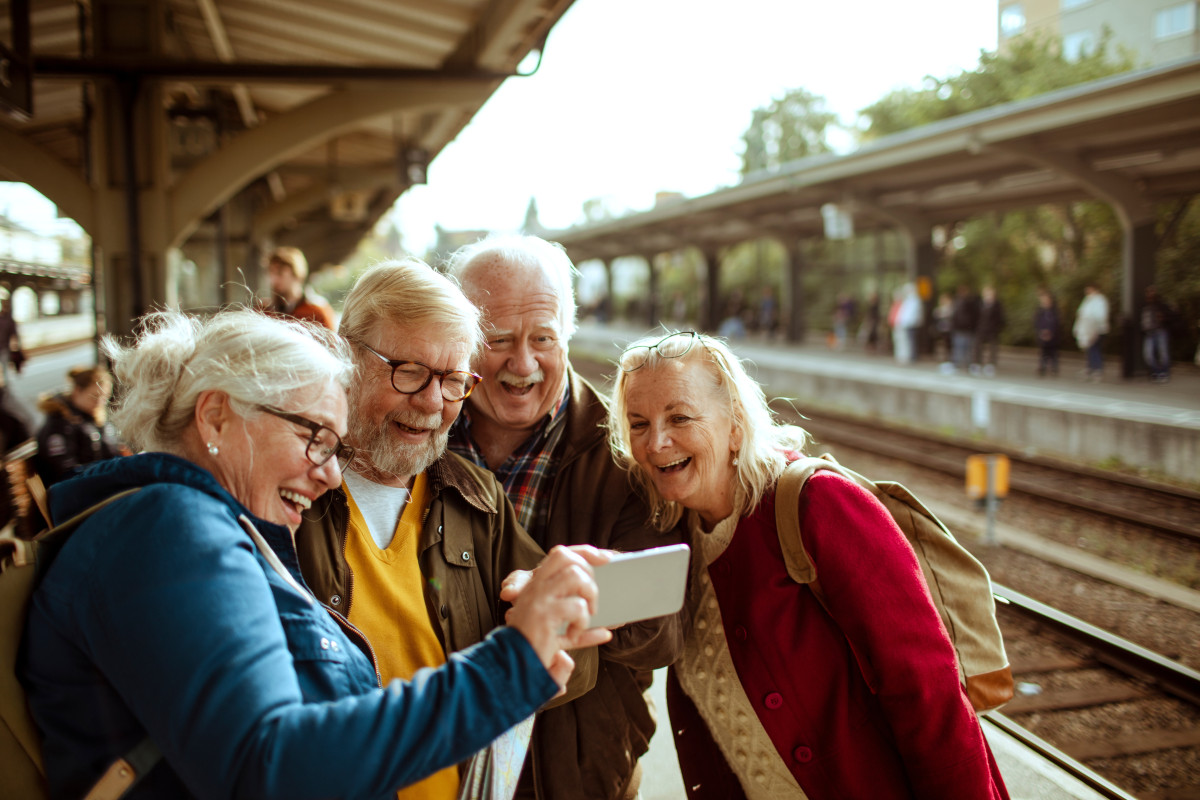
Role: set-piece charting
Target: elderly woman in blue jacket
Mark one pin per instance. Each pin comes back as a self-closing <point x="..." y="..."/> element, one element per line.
<point x="175" y="619"/>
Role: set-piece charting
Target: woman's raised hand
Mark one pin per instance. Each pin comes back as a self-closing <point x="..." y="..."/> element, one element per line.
<point x="552" y="606"/>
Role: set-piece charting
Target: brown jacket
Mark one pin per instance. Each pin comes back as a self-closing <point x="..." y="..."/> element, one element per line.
<point x="588" y="748"/>
<point x="470" y="541"/>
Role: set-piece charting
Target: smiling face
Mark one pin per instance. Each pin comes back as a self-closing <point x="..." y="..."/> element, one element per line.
<point x="524" y="367"/>
<point x="262" y="461"/>
<point x="401" y="435"/>
<point x="681" y="433"/>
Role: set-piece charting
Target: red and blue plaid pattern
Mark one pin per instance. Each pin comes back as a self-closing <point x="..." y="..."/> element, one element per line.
<point x="524" y="474"/>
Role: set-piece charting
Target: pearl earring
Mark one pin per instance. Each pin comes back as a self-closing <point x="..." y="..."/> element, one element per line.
<point x="735" y="459"/>
<point x="213" y="450"/>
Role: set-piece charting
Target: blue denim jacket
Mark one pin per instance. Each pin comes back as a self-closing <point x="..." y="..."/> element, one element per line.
<point x="160" y="616"/>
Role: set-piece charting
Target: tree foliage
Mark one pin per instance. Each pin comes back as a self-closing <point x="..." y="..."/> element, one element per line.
<point x="1061" y="247"/>
<point x="1032" y="65"/>
<point x="790" y="127"/>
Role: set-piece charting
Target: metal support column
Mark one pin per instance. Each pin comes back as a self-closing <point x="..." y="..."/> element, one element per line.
<point x="1139" y="250"/>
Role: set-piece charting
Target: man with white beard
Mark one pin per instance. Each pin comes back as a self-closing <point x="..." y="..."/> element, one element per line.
<point x="540" y="427"/>
<point x="413" y="548"/>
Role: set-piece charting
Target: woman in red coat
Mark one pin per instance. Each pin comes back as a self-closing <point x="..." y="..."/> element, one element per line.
<point x="776" y="695"/>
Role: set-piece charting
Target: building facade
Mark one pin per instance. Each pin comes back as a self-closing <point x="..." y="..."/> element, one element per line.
<point x="1155" y="31"/>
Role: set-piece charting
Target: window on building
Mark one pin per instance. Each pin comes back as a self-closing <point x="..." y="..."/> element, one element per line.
<point x="1077" y="45"/>
<point x="1175" y="21"/>
<point x="1012" y="20"/>
<point x="1073" y="3"/>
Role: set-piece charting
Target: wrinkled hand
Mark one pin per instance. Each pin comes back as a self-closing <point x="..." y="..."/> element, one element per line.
<point x="511" y="586"/>
<point x="552" y="606"/>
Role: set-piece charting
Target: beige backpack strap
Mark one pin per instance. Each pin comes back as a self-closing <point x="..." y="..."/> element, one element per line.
<point x="37" y="492"/>
<point x="787" y="514"/>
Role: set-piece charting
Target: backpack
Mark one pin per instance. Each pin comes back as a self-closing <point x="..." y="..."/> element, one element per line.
<point x="959" y="584"/>
<point x="23" y="562"/>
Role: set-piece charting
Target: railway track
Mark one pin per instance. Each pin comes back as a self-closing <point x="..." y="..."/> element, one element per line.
<point x="1151" y="505"/>
<point x="1089" y="699"/>
<point x="1158" y="507"/>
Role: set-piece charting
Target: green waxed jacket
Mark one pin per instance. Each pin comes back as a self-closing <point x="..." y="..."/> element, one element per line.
<point x="587" y="749"/>
<point x="470" y="541"/>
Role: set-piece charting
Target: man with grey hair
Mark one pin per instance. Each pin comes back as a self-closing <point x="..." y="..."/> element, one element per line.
<point x="540" y="427"/>
<point x="413" y="548"/>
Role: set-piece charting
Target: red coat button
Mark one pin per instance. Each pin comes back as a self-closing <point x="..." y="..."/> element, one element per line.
<point x="802" y="754"/>
<point x="740" y="633"/>
<point x="774" y="700"/>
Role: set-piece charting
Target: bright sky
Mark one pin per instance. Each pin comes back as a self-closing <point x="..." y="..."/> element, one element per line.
<point x="19" y="201"/>
<point x="639" y="96"/>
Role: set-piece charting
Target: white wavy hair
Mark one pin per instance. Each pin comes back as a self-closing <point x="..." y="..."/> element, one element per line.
<point x="250" y="356"/>
<point x="509" y="251"/>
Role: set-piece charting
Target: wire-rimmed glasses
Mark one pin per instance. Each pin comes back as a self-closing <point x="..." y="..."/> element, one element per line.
<point x="410" y="377"/>
<point x="672" y="345"/>
<point x="323" y="445"/>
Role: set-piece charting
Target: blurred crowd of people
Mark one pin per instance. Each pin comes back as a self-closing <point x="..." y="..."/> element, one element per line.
<point x="962" y="331"/>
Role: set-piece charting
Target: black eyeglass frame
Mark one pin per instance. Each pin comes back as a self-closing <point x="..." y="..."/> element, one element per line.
<point x="440" y="373"/>
<point x="344" y="453"/>
<point x="693" y="337"/>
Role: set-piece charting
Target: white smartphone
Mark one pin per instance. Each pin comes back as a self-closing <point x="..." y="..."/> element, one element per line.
<point x="641" y="585"/>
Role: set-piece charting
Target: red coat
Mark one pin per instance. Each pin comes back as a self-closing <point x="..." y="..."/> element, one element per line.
<point x="862" y="700"/>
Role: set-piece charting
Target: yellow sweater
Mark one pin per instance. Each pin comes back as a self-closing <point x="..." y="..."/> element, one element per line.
<point x="389" y="607"/>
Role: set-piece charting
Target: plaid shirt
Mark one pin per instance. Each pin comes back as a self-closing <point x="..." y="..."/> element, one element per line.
<point x="524" y="473"/>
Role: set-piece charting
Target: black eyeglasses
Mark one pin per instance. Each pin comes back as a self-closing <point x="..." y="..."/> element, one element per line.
<point x="410" y="377"/>
<point x="323" y="445"/>
<point x="671" y="346"/>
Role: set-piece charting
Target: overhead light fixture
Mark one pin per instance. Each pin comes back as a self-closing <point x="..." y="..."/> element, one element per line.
<point x="414" y="165"/>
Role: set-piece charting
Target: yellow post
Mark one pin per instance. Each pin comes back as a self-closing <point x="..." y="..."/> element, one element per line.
<point x="978" y="475"/>
<point x="987" y="484"/>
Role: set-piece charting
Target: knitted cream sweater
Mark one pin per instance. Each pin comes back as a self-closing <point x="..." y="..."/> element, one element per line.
<point x="707" y="675"/>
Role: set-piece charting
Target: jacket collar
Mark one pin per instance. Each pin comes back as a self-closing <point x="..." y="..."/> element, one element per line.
<point x="451" y="472"/>
<point x="61" y="404"/>
<point x="110" y="476"/>
<point x="587" y="414"/>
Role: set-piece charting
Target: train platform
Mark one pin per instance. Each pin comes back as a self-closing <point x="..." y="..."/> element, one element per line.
<point x="1150" y="427"/>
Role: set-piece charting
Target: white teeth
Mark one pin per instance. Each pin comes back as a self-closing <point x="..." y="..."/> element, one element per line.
<point x="673" y="464"/>
<point x="295" y="497"/>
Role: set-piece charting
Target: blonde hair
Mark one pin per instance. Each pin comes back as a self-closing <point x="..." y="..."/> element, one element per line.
<point x="410" y="292"/>
<point x="250" y="356"/>
<point x="765" y="441"/>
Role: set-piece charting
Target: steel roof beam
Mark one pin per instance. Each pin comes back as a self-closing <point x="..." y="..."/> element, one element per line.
<point x="55" y="67"/>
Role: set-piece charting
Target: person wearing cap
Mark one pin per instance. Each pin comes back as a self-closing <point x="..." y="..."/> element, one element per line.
<point x="287" y="270"/>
